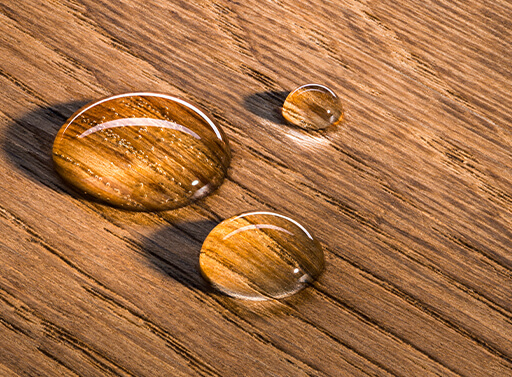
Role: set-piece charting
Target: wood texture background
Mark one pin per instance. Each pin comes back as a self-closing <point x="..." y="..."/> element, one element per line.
<point x="411" y="197"/>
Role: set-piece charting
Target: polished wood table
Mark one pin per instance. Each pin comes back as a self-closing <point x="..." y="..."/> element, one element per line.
<point x="410" y="197"/>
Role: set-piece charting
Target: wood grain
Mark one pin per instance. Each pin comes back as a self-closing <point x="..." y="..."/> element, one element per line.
<point x="410" y="196"/>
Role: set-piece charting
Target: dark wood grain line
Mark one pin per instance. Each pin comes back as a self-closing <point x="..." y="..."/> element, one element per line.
<point x="24" y="87"/>
<point x="266" y="157"/>
<point x="426" y="309"/>
<point x="56" y="333"/>
<point x="345" y="209"/>
<point x="40" y="242"/>
<point x="380" y="327"/>
<point x="454" y="23"/>
<point x="268" y="82"/>
<point x="232" y="317"/>
<point x="226" y="310"/>
<point x="459" y="285"/>
<point x="116" y="43"/>
<point x="375" y="54"/>
<point x="21" y="310"/>
<point x="223" y="121"/>
<point x="58" y="361"/>
<point x="82" y="68"/>
<point x="327" y="44"/>
<point x="458" y="158"/>
<point x="335" y="339"/>
<point x="234" y="132"/>
<point x="201" y="366"/>
<point x="190" y="357"/>
<point x="387" y="188"/>
<point x="105" y="364"/>
<point x="206" y="298"/>
<point x="251" y="193"/>
<point x="353" y="215"/>
<point x="444" y="94"/>
<point x="5" y="369"/>
<point x="497" y="195"/>
<point x="500" y="267"/>
<point x="11" y="326"/>
<point x="37" y="239"/>
<point x="227" y="23"/>
<point x="367" y="169"/>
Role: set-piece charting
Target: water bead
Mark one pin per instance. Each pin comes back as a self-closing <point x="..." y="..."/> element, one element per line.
<point x="142" y="151"/>
<point x="313" y="107"/>
<point x="260" y="256"/>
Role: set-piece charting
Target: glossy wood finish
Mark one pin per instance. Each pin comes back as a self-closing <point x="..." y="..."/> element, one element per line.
<point x="410" y="197"/>
<point x="260" y="255"/>
<point x="142" y="151"/>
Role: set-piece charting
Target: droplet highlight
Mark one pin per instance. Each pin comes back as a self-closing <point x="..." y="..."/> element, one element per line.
<point x="313" y="107"/>
<point x="260" y="256"/>
<point x="142" y="151"/>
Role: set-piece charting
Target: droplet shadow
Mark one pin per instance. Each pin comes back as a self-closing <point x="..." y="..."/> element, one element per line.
<point x="28" y="141"/>
<point x="174" y="250"/>
<point x="267" y="105"/>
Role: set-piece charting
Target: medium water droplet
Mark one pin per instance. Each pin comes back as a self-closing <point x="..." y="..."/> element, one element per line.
<point x="122" y="118"/>
<point x="260" y="256"/>
<point x="313" y="107"/>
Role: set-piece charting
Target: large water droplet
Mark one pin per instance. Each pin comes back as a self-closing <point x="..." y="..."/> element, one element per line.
<point x="260" y="256"/>
<point x="313" y="107"/>
<point x="103" y="140"/>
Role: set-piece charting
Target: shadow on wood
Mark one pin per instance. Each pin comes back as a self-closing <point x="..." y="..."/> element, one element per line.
<point x="29" y="140"/>
<point x="267" y="105"/>
<point x="174" y="250"/>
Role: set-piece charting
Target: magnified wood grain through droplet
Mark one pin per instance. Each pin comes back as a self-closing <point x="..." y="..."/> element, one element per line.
<point x="142" y="151"/>
<point x="260" y="256"/>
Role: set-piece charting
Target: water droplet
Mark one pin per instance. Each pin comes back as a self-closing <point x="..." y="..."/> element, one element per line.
<point x="313" y="107"/>
<point x="153" y="163"/>
<point x="260" y="256"/>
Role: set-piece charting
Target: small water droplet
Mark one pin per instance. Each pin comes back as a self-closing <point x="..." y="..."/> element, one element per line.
<point x="313" y="107"/>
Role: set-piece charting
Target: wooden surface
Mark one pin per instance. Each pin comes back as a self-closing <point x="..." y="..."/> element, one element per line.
<point x="411" y="197"/>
